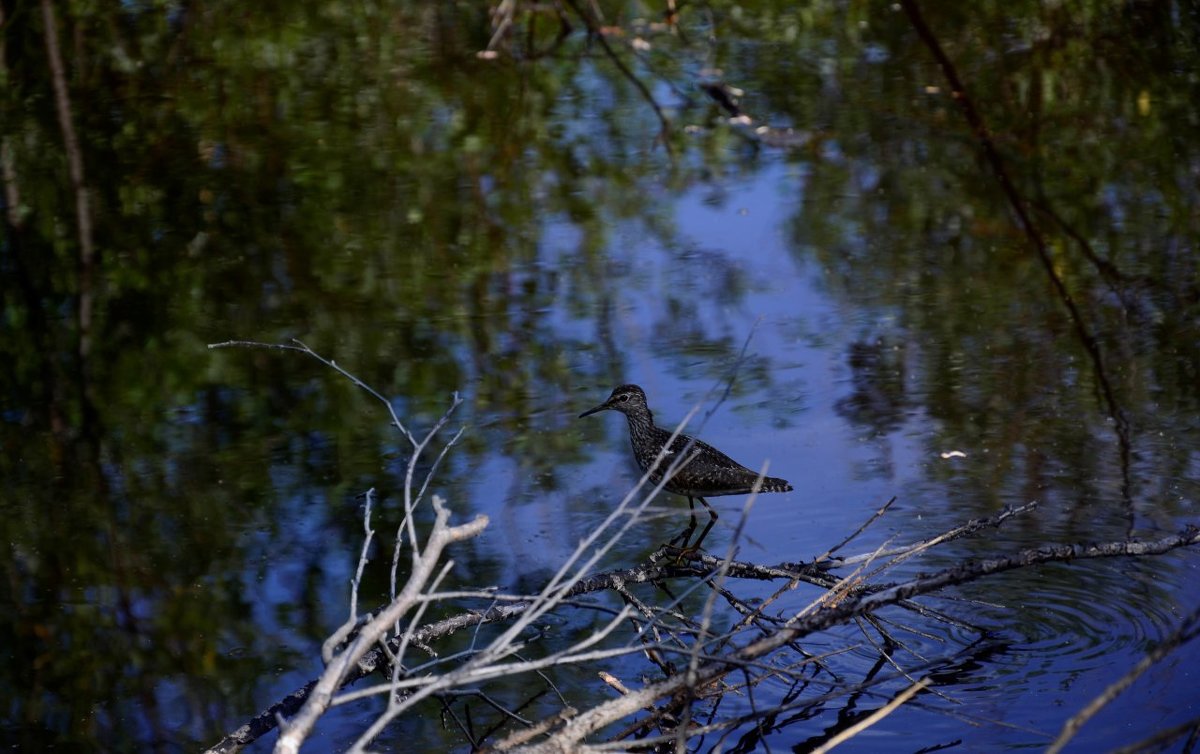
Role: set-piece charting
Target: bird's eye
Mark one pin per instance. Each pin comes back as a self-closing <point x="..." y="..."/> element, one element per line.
<point x="624" y="398"/>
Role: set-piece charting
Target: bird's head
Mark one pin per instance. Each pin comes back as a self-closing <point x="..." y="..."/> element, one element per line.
<point x="628" y="399"/>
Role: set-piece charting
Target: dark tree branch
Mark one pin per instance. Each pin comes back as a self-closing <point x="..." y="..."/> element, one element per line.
<point x="1018" y="203"/>
<point x="595" y="32"/>
<point x="83" y="211"/>
<point x="713" y="668"/>
<point x="569" y="738"/>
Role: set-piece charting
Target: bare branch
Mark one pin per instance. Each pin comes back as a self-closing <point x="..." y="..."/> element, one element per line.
<point x="410" y="503"/>
<point x="344" y="630"/>
<point x="596" y="718"/>
<point x="660" y="568"/>
<point x="863" y="527"/>
<point x="319" y="699"/>
<point x="697" y="661"/>
<point x="302" y="348"/>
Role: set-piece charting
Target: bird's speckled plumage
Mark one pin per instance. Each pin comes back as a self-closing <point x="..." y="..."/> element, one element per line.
<point x="710" y="473"/>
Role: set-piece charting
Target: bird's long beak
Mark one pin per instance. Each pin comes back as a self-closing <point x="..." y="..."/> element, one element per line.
<point x="602" y="407"/>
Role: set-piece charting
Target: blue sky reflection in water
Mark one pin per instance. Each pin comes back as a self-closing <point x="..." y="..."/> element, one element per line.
<point x="1072" y="622"/>
<point x="511" y="229"/>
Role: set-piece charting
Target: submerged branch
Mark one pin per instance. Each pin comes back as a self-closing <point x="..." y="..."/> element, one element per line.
<point x="702" y="657"/>
<point x="709" y="668"/>
<point x="574" y="731"/>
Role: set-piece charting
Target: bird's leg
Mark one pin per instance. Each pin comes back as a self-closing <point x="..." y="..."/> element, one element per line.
<point x="712" y="519"/>
<point x="683" y="537"/>
<point x="685" y="549"/>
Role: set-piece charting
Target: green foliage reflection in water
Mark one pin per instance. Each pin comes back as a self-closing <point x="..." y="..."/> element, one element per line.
<point x="355" y="175"/>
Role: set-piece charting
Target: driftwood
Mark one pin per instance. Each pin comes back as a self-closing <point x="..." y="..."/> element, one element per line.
<point x="661" y="567"/>
<point x="693" y="665"/>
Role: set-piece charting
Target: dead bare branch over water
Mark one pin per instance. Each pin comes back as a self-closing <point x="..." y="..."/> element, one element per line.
<point x="721" y="659"/>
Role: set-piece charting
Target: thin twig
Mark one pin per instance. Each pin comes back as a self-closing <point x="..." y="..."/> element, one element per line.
<point x="302" y="348"/>
<point x="873" y="718"/>
<point x="737" y="656"/>
<point x="344" y="630"/>
<point x="607" y="712"/>
<point x="854" y="534"/>
<point x="296" y="730"/>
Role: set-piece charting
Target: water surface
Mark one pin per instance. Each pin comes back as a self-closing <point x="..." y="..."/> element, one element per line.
<point x="182" y="523"/>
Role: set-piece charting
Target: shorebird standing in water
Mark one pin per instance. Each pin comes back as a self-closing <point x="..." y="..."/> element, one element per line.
<point x="708" y="473"/>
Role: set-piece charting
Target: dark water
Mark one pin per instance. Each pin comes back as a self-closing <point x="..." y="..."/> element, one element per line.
<point x="182" y="523"/>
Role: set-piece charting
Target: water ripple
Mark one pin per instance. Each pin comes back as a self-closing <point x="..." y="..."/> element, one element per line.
<point x="1067" y="619"/>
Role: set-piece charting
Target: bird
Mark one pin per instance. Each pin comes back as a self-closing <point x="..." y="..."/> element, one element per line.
<point x="706" y="471"/>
